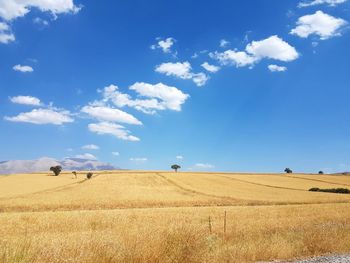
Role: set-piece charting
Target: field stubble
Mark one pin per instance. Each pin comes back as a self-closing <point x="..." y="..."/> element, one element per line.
<point x="173" y="224"/>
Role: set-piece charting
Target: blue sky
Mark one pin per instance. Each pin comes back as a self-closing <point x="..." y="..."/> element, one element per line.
<point x="225" y="85"/>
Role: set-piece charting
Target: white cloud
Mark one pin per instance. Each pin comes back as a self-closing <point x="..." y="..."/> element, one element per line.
<point x="183" y="71"/>
<point x="86" y="156"/>
<point x="155" y="97"/>
<point x="204" y="166"/>
<point x="164" y="45"/>
<point x="4" y="26"/>
<point x="26" y="100"/>
<point x="224" y="43"/>
<point x="200" y="79"/>
<point x="5" y="34"/>
<point x="321" y="24"/>
<point x="115" y="153"/>
<point x="112" y="93"/>
<point x="12" y="9"/>
<point x="272" y="48"/>
<point x="276" y="68"/>
<point x="40" y="21"/>
<point x="320" y="2"/>
<point x="90" y="147"/>
<point x="269" y="48"/>
<point x="116" y="130"/>
<point x="169" y="97"/>
<point x="43" y="116"/>
<point x="180" y="70"/>
<point x="139" y="159"/>
<point x="210" y="68"/>
<point x="23" y="69"/>
<point x="105" y="113"/>
<point x="232" y="57"/>
<point x="179" y="157"/>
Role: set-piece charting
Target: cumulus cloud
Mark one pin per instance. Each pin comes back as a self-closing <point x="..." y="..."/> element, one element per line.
<point x="276" y="68"/>
<point x="200" y="79"/>
<point x="43" y="116"/>
<point x="86" y="156"/>
<point x="114" y="129"/>
<point x="23" y="69"/>
<point x="167" y="96"/>
<point x="12" y="9"/>
<point x="320" y="2"/>
<point x="6" y="35"/>
<point x="210" y="68"/>
<point x="321" y="24"/>
<point x="90" y="147"/>
<point x="26" y="100"/>
<point x="232" y="57"/>
<point x="152" y="97"/>
<point x="106" y="113"/>
<point x="204" y="166"/>
<point x="179" y="157"/>
<point x="270" y="48"/>
<point x="224" y="43"/>
<point x="164" y="44"/>
<point x="178" y="69"/>
<point x="182" y="71"/>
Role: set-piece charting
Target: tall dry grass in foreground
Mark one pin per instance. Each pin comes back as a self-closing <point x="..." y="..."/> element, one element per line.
<point x="175" y="234"/>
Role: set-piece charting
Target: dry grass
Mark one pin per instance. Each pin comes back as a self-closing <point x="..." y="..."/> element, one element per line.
<point x="161" y="220"/>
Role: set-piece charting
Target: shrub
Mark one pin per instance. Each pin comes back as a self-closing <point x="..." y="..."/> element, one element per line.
<point x="288" y="170"/>
<point x="314" y="189"/>
<point x="89" y="175"/>
<point x="333" y="190"/>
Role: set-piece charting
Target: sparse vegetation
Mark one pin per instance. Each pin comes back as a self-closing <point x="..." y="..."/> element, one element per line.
<point x="89" y="175"/>
<point x="288" y="171"/>
<point x="75" y="174"/>
<point x="175" y="167"/>
<point x="332" y="190"/>
<point x="56" y="170"/>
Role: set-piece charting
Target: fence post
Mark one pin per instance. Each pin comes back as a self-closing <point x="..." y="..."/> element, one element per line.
<point x="225" y="226"/>
<point x="209" y="225"/>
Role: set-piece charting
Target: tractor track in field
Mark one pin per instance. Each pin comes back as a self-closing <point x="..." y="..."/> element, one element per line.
<point x="195" y="192"/>
<point x="259" y="184"/>
<point x="55" y="189"/>
<point x="315" y="180"/>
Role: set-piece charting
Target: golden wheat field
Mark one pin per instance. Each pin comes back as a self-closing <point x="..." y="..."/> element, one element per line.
<point x="139" y="216"/>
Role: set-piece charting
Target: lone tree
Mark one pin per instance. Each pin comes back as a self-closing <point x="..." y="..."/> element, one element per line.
<point x="89" y="175"/>
<point x="175" y="167"/>
<point x="56" y="170"/>
<point x="320" y="172"/>
<point x="75" y="174"/>
<point x="288" y="171"/>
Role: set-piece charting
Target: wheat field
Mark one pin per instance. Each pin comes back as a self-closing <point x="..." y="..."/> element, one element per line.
<point x="139" y="216"/>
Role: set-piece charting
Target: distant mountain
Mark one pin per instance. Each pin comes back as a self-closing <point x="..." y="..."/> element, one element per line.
<point x="44" y="164"/>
